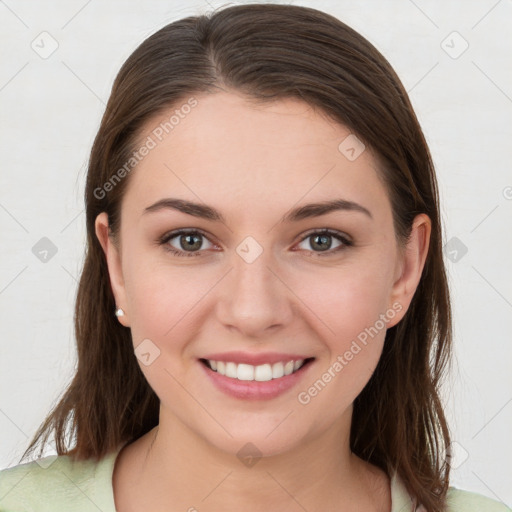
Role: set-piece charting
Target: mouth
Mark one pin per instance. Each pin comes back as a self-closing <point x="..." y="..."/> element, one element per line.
<point x="261" y="373"/>
<point x="263" y="382"/>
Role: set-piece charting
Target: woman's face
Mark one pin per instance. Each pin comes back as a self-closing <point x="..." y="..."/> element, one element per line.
<point x="257" y="276"/>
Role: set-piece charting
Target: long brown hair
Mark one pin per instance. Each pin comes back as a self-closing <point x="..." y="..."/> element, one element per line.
<point x="269" y="52"/>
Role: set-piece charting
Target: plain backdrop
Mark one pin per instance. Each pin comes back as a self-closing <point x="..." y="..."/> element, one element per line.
<point x="454" y="60"/>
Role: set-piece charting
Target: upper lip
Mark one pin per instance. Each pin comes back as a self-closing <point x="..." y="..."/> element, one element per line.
<point x="255" y="359"/>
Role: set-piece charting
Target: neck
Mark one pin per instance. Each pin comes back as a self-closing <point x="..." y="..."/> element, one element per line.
<point x="171" y="468"/>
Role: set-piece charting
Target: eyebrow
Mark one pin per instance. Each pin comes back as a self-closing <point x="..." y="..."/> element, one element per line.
<point x="306" y="211"/>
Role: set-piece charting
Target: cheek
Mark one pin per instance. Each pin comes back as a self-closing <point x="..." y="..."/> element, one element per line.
<point x="348" y="299"/>
<point x="353" y="352"/>
<point x="164" y="306"/>
<point x="357" y="327"/>
<point x="163" y="299"/>
<point x="351" y="313"/>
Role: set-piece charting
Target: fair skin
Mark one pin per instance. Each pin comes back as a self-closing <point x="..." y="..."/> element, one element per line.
<point x="254" y="163"/>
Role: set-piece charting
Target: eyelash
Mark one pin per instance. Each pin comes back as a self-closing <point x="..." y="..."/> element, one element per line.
<point x="169" y="236"/>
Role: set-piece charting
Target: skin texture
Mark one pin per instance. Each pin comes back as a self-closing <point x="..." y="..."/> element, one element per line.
<point x="254" y="163"/>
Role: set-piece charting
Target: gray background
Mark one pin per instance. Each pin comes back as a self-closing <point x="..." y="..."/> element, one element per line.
<point x="50" y="110"/>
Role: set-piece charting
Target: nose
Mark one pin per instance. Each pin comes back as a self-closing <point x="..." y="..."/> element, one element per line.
<point x="254" y="298"/>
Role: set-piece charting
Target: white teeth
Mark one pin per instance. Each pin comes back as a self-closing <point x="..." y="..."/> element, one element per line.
<point x="231" y="370"/>
<point x="243" y="372"/>
<point x="261" y="373"/>
<point x="288" y="368"/>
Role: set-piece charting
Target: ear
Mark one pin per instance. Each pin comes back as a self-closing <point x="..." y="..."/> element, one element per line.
<point x="113" y="257"/>
<point x="410" y="267"/>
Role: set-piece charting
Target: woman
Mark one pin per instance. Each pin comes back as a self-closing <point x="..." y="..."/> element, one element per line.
<point x="263" y="316"/>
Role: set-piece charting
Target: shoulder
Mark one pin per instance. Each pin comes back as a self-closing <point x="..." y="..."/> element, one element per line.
<point x="458" y="500"/>
<point x="55" y="482"/>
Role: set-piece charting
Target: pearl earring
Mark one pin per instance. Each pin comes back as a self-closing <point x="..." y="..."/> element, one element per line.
<point x="119" y="312"/>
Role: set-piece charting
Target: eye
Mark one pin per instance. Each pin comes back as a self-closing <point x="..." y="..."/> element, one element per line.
<point x="322" y="240"/>
<point x="189" y="242"/>
<point x="186" y="242"/>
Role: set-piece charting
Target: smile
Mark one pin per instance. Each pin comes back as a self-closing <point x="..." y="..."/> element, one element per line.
<point x="260" y="373"/>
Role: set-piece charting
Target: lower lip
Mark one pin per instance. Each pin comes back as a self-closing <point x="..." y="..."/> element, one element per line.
<point x="255" y="390"/>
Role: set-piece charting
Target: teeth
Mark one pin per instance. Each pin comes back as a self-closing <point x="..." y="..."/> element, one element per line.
<point x="261" y="373"/>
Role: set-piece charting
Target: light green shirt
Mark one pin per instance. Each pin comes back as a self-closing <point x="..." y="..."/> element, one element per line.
<point x="57" y="484"/>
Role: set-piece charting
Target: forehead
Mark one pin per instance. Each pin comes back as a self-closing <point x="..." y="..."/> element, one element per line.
<point x="235" y="153"/>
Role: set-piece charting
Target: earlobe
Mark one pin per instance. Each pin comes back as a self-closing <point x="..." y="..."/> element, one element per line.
<point x="411" y="265"/>
<point x="113" y="258"/>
